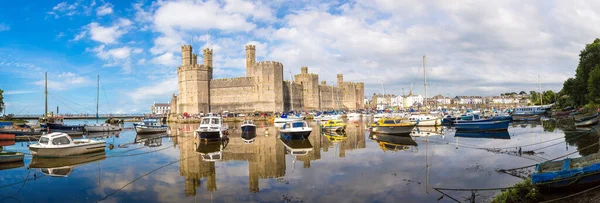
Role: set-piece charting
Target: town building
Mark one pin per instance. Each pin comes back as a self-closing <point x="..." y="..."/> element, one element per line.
<point x="161" y="108"/>
<point x="261" y="90"/>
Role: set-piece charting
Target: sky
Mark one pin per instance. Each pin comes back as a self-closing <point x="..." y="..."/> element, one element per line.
<point x="471" y="47"/>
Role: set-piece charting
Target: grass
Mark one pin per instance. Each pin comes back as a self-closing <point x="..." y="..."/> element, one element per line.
<point x="523" y="191"/>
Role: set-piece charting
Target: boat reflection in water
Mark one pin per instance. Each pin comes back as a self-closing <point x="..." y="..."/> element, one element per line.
<point x="297" y="147"/>
<point x="484" y="134"/>
<point x="102" y="134"/>
<point x="11" y="165"/>
<point x="150" y="140"/>
<point x="420" y="131"/>
<point x="399" y="142"/>
<point x="212" y="151"/>
<point x="334" y="136"/>
<point x="62" y="167"/>
<point x="248" y="136"/>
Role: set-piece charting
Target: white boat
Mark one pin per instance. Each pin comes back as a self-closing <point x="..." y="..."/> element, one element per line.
<point x="60" y="145"/>
<point x="285" y="119"/>
<point x="528" y="110"/>
<point x="354" y="115"/>
<point x="425" y="120"/>
<point x="295" y="129"/>
<point x="150" y="126"/>
<point x="212" y="127"/>
<point x="324" y="117"/>
<point x="297" y="147"/>
<point x="248" y="126"/>
<point x="101" y="127"/>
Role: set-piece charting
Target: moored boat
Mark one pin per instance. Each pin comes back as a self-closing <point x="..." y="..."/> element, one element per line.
<point x="568" y="173"/>
<point x="482" y="126"/>
<point x="503" y="134"/>
<point x="588" y="120"/>
<point x="8" y="157"/>
<point x="60" y="144"/>
<point x="392" y="126"/>
<point x="297" y="147"/>
<point x="212" y="127"/>
<point x="394" y="142"/>
<point x="101" y="127"/>
<point x="335" y="125"/>
<point x="295" y="130"/>
<point x="150" y="126"/>
<point x="248" y="126"/>
<point x="63" y="166"/>
<point x="425" y="120"/>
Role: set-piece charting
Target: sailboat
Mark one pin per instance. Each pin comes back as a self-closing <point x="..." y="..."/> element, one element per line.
<point x="425" y="119"/>
<point x="54" y="122"/>
<point x="100" y="127"/>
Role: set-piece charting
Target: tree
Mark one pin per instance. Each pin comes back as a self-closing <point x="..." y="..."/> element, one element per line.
<point x="533" y="96"/>
<point x="549" y="97"/>
<point x="577" y="88"/>
<point x="1" y="101"/>
<point x="593" y="86"/>
<point x="522" y="93"/>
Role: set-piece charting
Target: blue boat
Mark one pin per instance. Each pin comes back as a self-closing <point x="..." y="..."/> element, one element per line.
<point x="482" y="126"/>
<point x="469" y="117"/>
<point x="502" y="118"/>
<point x="6" y="123"/>
<point x="569" y="173"/>
<point x="503" y="134"/>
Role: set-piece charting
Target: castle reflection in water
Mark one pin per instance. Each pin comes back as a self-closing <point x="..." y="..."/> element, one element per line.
<point x="265" y="153"/>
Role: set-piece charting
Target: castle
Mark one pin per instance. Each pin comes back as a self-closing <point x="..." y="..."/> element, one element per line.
<point x="262" y="90"/>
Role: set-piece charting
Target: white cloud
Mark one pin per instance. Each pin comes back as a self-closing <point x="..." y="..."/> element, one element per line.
<point x="64" y="8"/>
<point x="106" y="35"/>
<point x="156" y="92"/>
<point x="104" y="9"/>
<point x="80" y="36"/>
<point x="167" y="59"/>
<point x="4" y="27"/>
<point x="116" y="57"/>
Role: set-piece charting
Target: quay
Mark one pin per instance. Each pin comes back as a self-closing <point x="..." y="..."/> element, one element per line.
<point x="90" y="116"/>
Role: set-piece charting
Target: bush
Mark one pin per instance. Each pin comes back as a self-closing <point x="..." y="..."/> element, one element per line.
<point x="521" y="192"/>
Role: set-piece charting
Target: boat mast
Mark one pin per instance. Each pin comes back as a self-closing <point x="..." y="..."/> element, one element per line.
<point x="46" y="94"/>
<point x="425" y="80"/>
<point x="541" y="93"/>
<point x="291" y="92"/>
<point x="97" y="96"/>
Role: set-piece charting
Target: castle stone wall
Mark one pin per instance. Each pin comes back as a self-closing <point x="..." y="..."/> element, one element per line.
<point x="232" y="94"/>
<point x="310" y="89"/>
<point x="268" y="81"/>
<point x="295" y="102"/>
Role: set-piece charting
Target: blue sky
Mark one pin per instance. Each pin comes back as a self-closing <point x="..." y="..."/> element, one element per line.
<point x="472" y="48"/>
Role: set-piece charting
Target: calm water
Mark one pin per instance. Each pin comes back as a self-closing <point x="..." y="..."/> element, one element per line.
<point x="328" y="167"/>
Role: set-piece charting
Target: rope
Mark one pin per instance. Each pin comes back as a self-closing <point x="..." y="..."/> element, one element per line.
<point x="105" y="97"/>
<point x="24" y="182"/>
<point x="114" y="192"/>
<point x="59" y="97"/>
<point x="576" y="151"/>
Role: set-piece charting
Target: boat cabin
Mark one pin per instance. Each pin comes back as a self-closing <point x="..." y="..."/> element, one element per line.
<point x="390" y="121"/>
<point x="248" y="122"/>
<point x="56" y="139"/>
<point x="57" y="172"/>
<point x="151" y="122"/>
<point x="211" y="120"/>
<point x="530" y="110"/>
<point x="296" y="124"/>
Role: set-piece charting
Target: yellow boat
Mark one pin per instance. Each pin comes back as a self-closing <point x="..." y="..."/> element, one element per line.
<point x="334" y="124"/>
<point x="335" y="136"/>
<point x="392" y="126"/>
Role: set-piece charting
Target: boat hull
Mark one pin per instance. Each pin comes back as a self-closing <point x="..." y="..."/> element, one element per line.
<point x="97" y="146"/>
<point x="482" y="126"/>
<point x="295" y="135"/>
<point x="8" y="157"/>
<point x="104" y="128"/>
<point x="249" y="129"/>
<point x="503" y="134"/>
<point x="210" y="135"/>
<point x="526" y="118"/>
<point x="589" y="122"/>
<point x="395" y="130"/>
<point x="149" y="129"/>
<point x="54" y="126"/>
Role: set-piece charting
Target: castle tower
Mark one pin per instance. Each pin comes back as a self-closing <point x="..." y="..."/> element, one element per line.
<point x="186" y="54"/>
<point x="208" y="58"/>
<point x="304" y="70"/>
<point x="340" y="78"/>
<point x="310" y="89"/>
<point x="193" y="82"/>
<point x="268" y="77"/>
<point x="250" y="60"/>
<point x="194" y="59"/>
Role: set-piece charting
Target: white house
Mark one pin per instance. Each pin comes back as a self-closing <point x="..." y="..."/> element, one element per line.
<point x="161" y="108"/>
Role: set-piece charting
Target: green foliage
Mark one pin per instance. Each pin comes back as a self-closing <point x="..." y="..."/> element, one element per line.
<point x="577" y="89"/>
<point x="534" y="97"/>
<point x="593" y="86"/>
<point x="549" y="97"/>
<point x="521" y="192"/>
<point x="1" y="101"/>
<point x="522" y="92"/>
